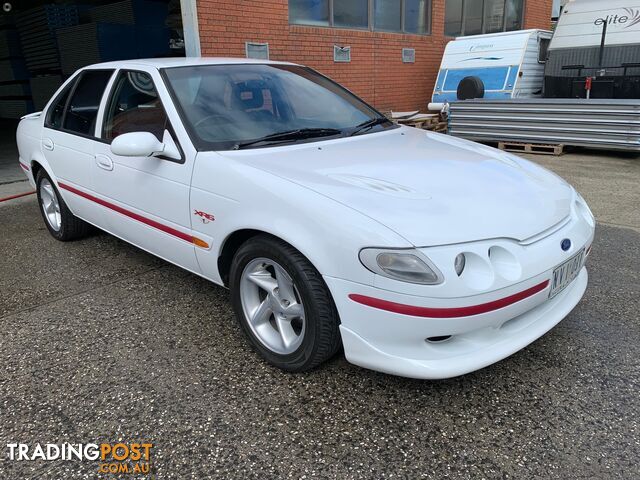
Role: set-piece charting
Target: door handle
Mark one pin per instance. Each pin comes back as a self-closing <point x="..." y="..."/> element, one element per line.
<point x="47" y="144"/>
<point x="104" y="162"/>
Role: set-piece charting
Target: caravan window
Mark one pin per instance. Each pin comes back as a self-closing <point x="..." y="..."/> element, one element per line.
<point x="543" y="48"/>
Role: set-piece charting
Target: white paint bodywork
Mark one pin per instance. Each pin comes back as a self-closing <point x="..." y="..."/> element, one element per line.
<point x="400" y="188"/>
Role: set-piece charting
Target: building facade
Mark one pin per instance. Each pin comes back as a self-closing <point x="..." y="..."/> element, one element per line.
<point x="375" y="32"/>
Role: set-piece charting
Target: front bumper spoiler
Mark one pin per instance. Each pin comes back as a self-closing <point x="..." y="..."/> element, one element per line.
<point x="466" y="351"/>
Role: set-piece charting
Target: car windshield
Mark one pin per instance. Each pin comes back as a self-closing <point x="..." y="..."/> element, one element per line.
<point x="256" y="105"/>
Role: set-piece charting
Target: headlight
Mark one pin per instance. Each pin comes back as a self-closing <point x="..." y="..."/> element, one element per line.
<point x="406" y="265"/>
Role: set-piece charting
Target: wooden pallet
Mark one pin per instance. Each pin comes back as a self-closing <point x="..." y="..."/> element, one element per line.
<point x="427" y="121"/>
<point x="537" y="148"/>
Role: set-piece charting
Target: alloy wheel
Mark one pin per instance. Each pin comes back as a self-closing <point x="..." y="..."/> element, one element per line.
<point x="50" y="205"/>
<point x="272" y="306"/>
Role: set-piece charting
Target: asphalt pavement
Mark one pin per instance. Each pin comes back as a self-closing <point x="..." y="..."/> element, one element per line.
<point x="102" y="342"/>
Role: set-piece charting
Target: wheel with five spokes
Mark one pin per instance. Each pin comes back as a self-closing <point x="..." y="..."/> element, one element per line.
<point x="61" y="223"/>
<point x="283" y="305"/>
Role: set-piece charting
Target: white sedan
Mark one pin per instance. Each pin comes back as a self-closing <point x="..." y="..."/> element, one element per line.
<point x="421" y="254"/>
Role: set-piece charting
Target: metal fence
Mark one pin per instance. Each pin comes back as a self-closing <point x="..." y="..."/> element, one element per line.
<point x="595" y="123"/>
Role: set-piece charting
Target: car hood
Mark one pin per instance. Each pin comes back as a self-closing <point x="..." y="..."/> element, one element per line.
<point x="431" y="189"/>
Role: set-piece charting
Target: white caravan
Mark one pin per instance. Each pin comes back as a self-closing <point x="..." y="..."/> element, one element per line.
<point x="599" y="41"/>
<point x="496" y="66"/>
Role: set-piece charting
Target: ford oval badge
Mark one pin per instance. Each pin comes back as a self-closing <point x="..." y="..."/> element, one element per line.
<point x="565" y="244"/>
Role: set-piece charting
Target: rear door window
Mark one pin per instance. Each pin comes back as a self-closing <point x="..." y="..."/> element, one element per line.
<point x="82" y="109"/>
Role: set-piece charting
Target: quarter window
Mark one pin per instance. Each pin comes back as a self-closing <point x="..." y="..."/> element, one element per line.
<point x="82" y="109"/>
<point x="56" y="110"/>
<point x="472" y="17"/>
<point x="401" y="16"/>
<point x="134" y="107"/>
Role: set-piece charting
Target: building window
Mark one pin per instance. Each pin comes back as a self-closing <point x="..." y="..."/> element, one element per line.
<point x="400" y="16"/>
<point x="309" y="12"/>
<point x="473" y="17"/>
<point x="387" y="15"/>
<point x="351" y="13"/>
<point x="514" y="14"/>
<point x="417" y="16"/>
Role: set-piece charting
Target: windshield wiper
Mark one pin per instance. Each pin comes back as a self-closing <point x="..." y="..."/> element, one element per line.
<point x="361" y="127"/>
<point x="297" y="134"/>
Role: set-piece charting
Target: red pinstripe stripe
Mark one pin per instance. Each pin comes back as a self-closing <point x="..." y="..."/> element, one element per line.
<point x="24" y="167"/>
<point x="147" y="221"/>
<point x="447" y="312"/>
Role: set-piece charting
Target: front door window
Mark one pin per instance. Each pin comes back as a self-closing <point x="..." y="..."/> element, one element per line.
<point x="134" y="107"/>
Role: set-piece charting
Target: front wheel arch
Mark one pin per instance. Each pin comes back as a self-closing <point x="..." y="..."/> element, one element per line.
<point x="230" y="246"/>
<point x="321" y="334"/>
<point x="236" y="239"/>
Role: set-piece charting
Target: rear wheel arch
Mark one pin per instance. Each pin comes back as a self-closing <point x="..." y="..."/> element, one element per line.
<point x="59" y="220"/>
<point x="35" y="168"/>
<point x="39" y="162"/>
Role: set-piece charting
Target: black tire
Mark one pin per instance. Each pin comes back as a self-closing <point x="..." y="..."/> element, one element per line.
<point x="470" y="87"/>
<point x="71" y="227"/>
<point x="321" y="338"/>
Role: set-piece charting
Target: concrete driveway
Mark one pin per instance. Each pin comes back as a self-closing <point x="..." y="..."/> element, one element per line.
<point x="100" y="341"/>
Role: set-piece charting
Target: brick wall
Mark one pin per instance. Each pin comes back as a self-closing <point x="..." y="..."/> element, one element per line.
<point x="537" y="14"/>
<point x="376" y="72"/>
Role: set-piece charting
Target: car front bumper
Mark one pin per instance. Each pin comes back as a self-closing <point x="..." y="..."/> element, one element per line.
<point x="398" y="343"/>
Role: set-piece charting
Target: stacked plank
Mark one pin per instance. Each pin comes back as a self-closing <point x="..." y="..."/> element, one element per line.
<point x="131" y="12"/>
<point x="82" y="45"/>
<point x="14" y="85"/>
<point x="435" y="122"/>
<point x="115" y="31"/>
<point x="37" y="28"/>
<point x="42" y="89"/>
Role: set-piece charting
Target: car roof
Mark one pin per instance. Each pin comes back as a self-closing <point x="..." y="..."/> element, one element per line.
<point x="183" y="62"/>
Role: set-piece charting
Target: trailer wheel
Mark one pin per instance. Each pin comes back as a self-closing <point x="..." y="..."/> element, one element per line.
<point x="470" y="87"/>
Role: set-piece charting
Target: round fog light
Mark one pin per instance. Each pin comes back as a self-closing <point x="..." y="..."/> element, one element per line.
<point x="458" y="263"/>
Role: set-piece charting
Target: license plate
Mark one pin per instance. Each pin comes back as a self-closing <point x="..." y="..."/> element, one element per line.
<point x="565" y="273"/>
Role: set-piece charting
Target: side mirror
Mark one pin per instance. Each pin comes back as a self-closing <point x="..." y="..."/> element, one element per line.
<point x="137" y="144"/>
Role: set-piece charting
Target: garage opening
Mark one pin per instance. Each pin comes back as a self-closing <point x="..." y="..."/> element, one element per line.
<point x="42" y="43"/>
